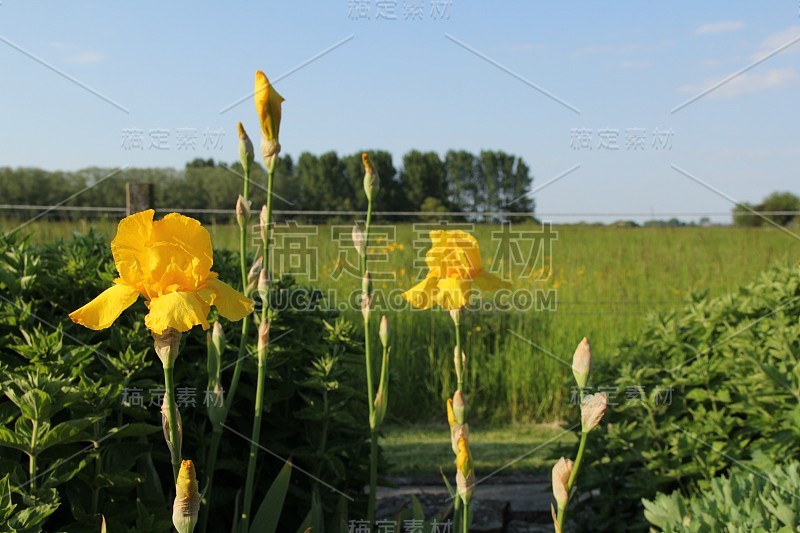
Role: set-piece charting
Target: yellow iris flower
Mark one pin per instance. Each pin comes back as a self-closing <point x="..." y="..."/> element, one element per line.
<point x="454" y="263"/>
<point x="169" y="263"/>
<point x="268" y="105"/>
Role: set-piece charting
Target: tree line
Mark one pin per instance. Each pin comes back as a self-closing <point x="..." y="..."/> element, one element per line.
<point x="778" y="208"/>
<point x="463" y="182"/>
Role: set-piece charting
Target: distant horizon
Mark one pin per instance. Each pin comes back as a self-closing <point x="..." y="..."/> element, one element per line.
<point x="631" y="107"/>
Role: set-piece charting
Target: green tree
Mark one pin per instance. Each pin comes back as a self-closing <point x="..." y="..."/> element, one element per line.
<point x="777" y="202"/>
<point x="423" y="176"/>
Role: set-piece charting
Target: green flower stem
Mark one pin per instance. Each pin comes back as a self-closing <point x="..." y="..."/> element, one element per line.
<point x="254" y="440"/>
<point x="216" y="436"/>
<point x="265" y="247"/>
<point x="32" y="456"/>
<point x="466" y="518"/>
<point x="373" y="448"/>
<point x="561" y="515"/>
<point x="172" y="421"/>
<point x="262" y="370"/>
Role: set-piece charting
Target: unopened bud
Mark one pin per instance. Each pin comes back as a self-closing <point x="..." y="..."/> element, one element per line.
<point x="218" y="337"/>
<point x="165" y="426"/>
<point x="254" y="274"/>
<point x="451" y="416"/>
<point x="582" y="363"/>
<point x="187" y="499"/>
<point x="242" y="211"/>
<point x="263" y="340"/>
<point x="457" y="432"/>
<point x="465" y="475"/>
<point x="167" y="343"/>
<point x="263" y="226"/>
<point x="263" y="285"/>
<point x="561" y="472"/>
<point x="216" y="406"/>
<point x="246" y="152"/>
<point x="359" y="240"/>
<point x="383" y="332"/>
<point x="459" y="406"/>
<point x="371" y="179"/>
<point x="269" y="151"/>
<point x="593" y="408"/>
<point x="366" y="295"/>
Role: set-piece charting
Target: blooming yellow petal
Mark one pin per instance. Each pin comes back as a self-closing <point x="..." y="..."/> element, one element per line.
<point x="129" y="247"/>
<point x="453" y="293"/>
<point x="230" y="302"/>
<point x="423" y="294"/>
<point x="104" y="310"/>
<point x="180" y="252"/>
<point x="179" y="310"/>
<point x="268" y="105"/>
<point x="490" y="282"/>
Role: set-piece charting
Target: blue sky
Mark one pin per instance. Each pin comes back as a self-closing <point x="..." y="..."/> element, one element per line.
<point x="403" y="83"/>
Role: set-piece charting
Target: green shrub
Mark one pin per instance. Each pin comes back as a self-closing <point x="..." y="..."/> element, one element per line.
<point x="106" y="455"/>
<point x="719" y="382"/>
<point x="744" y="501"/>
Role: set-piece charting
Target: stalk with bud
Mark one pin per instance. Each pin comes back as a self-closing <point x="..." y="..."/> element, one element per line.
<point x="593" y="408"/>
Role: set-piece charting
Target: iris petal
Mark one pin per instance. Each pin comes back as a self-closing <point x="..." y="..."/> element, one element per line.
<point x="231" y="304"/>
<point x="423" y="294"/>
<point x="179" y="310"/>
<point x="106" y="308"/>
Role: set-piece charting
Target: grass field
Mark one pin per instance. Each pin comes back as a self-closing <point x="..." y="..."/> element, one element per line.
<point x="422" y="450"/>
<point x="605" y="281"/>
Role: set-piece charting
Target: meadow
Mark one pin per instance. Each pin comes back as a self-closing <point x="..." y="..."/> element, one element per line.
<point x="594" y="281"/>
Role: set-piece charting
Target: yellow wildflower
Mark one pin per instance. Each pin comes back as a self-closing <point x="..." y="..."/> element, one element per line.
<point x="454" y="262"/>
<point x="169" y="263"/>
<point x="268" y="105"/>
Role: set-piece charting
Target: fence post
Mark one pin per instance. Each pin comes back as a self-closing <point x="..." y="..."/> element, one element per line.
<point x="138" y="197"/>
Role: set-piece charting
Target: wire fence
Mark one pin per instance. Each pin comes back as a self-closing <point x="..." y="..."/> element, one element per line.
<point x="333" y="213"/>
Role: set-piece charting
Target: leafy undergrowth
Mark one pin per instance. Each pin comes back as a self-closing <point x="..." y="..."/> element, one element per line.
<point x="702" y="390"/>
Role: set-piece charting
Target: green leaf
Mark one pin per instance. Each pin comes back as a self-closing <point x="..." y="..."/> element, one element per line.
<point x="65" y="432"/>
<point x="10" y="439"/>
<point x="266" y="519"/>
<point x="6" y="505"/>
<point x="35" y="405"/>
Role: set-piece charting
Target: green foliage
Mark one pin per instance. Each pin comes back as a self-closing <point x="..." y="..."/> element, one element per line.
<point x="76" y="443"/>
<point x="775" y="208"/>
<point x="719" y="382"/>
<point x="746" y="500"/>
<point x="461" y="182"/>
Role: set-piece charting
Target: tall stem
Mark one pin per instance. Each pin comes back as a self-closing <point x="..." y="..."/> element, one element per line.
<point x="172" y="421"/>
<point x="373" y="434"/>
<point x="575" y="468"/>
<point x="216" y="438"/>
<point x="32" y="456"/>
<point x="211" y="462"/>
<point x="262" y="366"/>
<point x="254" y="440"/>
<point x="466" y="518"/>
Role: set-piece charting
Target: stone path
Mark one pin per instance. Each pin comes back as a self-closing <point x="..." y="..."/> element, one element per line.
<point x="501" y="504"/>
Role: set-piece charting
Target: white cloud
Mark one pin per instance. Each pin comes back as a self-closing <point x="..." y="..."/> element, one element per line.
<point x="85" y="58"/>
<point x="776" y="40"/>
<point x="719" y="27"/>
<point x="746" y="83"/>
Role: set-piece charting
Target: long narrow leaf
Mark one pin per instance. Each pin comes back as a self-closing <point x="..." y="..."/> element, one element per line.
<point x="266" y="519"/>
